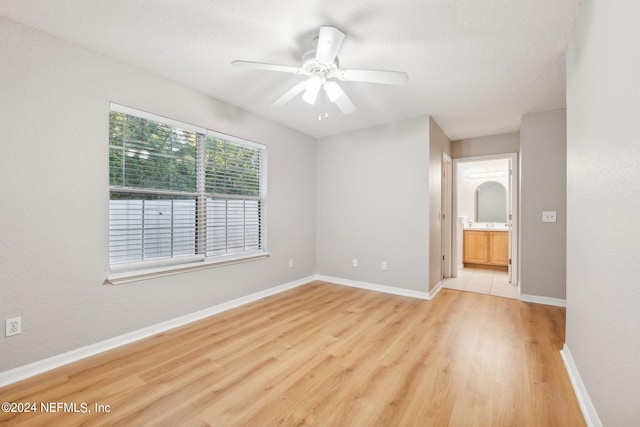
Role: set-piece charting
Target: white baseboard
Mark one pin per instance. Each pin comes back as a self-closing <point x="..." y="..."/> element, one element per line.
<point x="588" y="410"/>
<point x="374" y="287"/>
<point x="35" y="368"/>
<point x="543" y="300"/>
<point x="433" y="292"/>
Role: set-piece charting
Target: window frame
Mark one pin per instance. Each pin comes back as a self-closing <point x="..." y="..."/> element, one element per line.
<point x="128" y="271"/>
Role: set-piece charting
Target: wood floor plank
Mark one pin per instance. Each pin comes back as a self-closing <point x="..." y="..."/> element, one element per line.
<point x="328" y="355"/>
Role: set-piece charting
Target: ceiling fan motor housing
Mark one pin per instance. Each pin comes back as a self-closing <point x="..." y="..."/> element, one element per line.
<point x="312" y="67"/>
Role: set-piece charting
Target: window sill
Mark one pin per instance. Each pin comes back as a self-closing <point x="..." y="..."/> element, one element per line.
<point x="150" y="273"/>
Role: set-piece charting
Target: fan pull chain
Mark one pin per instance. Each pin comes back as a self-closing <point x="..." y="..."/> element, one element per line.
<point x="322" y="105"/>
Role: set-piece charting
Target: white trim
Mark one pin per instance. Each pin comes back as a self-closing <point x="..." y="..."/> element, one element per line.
<point x="156" y="118"/>
<point x="447" y="222"/>
<point x="40" y="366"/>
<point x="588" y="410"/>
<point x="433" y="292"/>
<point x="375" y="287"/>
<point x="133" y="276"/>
<point x="162" y="263"/>
<point x="543" y="300"/>
<point x="514" y="189"/>
<point x="236" y="139"/>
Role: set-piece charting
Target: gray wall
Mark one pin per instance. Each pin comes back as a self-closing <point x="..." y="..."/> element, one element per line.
<point x="438" y="144"/>
<point x="54" y="103"/>
<point x="603" y="204"/>
<point x="373" y="204"/>
<point x="543" y="188"/>
<point x="486" y="145"/>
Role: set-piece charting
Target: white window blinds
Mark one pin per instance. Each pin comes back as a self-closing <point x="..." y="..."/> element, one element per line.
<point x="179" y="193"/>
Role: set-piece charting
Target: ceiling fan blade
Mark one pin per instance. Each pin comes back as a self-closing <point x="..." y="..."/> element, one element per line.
<point x="329" y="42"/>
<point x="337" y="96"/>
<point x="374" y="76"/>
<point x="268" y="67"/>
<point x="290" y="94"/>
<point x="345" y="105"/>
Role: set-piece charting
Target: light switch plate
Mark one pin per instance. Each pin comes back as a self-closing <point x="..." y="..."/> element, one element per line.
<point x="548" y="216"/>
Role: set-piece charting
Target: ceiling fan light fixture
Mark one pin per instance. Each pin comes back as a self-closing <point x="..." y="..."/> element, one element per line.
<point x="313" y="88"/>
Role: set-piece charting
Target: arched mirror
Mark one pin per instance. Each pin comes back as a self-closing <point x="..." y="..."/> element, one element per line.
<point x="491" y="202"/>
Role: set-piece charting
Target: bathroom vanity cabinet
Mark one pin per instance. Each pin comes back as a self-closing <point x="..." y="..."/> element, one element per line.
<point x="486" y="248"/>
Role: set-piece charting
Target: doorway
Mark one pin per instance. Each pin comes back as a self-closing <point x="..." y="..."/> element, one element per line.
<point x="485" y="219"/>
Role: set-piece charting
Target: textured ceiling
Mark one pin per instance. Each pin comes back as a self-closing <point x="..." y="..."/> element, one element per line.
<point x="475" y="66"/>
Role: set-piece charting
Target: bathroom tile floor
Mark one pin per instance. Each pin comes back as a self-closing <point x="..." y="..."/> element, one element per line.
<point x="483" y="282"/>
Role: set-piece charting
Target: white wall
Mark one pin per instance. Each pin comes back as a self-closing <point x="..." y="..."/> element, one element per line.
<point x="603" y="206"/>
<point x="543" y="188"/>
<point x="373" y="204"/>
<point x="54" y="103"/>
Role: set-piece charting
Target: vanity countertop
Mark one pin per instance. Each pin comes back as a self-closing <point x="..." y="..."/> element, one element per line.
<point x="487" y="226"/>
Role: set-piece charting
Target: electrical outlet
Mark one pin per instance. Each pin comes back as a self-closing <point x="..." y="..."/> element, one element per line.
<point x="13" y="326"/>
<point x="355" y="263"/>
<point x="549" y="216"/>
<point x="291" y="263"/>
<point x="383" y="266"/>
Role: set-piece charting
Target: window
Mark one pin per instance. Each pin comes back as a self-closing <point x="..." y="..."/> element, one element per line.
<point x="181" y="194"/>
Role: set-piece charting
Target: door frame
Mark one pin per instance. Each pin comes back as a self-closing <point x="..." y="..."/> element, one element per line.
<point x="513" y="204"/>
<point x="447" y="167"/>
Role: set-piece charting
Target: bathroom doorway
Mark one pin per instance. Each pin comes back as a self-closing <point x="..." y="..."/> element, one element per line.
<point x="484" y="229"/>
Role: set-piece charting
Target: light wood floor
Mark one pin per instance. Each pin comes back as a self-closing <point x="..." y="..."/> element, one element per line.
<point x="328" y="355"/>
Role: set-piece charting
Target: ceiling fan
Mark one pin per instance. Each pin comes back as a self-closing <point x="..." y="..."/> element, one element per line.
<point x="322" y="68"/>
